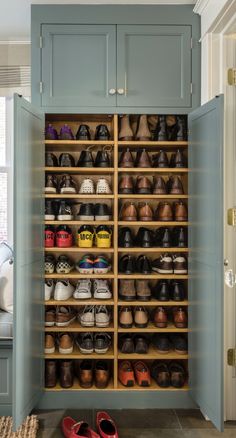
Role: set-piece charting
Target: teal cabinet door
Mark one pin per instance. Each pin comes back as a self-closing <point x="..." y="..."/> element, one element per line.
<point x="206" y="266"/>
<point x="154" y="66"/>
<point x="5" y="376"/>
<point x="28" y="259"/>
<point x="78" y="65"/>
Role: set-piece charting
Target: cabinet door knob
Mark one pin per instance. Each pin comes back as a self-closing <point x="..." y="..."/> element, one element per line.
<point x="120" y="91"/>
<point x="112" y="91"/>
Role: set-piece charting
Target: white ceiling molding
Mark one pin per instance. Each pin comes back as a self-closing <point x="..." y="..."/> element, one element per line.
<point x="200" y="6"/>
<point x="212" y="12"/>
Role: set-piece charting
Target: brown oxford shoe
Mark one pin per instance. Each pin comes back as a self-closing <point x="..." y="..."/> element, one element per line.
<point x="125" y="317"/>
<point x="140" y="317"/>
<point x="159" y="186"/>
<point x="143" y="185"/>
<point x="175" y="186"/>
<point x="128" y="212"/>
<point x="84" y="372"/>
<point x="143" y="159"/>
<point x="143" y="132"/>
<point x="164" y="212"/>
<point x="102" y="374"/>
<point x="145" y="212"/>
<point x="160" y="317"/>
<point x="126" y="185"/>
<point x="180" y="318"/>
<point x="180" y="212"/>
<point x="126" y="159"/>
<point x="126" y="132"/>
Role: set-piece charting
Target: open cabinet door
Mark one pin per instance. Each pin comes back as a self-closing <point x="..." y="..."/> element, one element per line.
<point x="206" y="259"/>
<point x="28" y="258"/>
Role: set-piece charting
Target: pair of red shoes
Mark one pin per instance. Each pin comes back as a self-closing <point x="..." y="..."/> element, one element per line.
<point x="105" y="426"/>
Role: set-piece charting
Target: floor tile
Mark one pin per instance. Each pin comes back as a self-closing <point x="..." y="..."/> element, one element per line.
<point x="192" y="419"/>
<point x="208" y="433"/>
<point x="145" y="418"/>
<point x="150" y="433"/>
<point x="52" y="419"/>
<point x="50" y="433"/>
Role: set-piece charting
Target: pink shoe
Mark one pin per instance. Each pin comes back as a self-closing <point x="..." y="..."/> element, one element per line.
<point x="106" y="426"/>
<point x="71" y="429"/>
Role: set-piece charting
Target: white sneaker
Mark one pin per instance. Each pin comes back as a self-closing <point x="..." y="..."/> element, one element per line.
<point x="86" y="316"/>
<point x="103" y="186"/>
<point x="48" y="289"/>
<point x="63" y="290"/>
<point x="102" y="316"/>
<point x="83" y="290"/>
<point x="87" y="186"/>
<point x="102" y="290"/>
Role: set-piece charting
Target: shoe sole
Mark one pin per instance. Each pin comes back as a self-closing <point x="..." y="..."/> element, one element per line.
<point x="101" y="351"/>
<point x="181" y="351"/>
<point x="66" y="350"/>
<point x="50" y="190"/>
<point x="102" y="324"/>
<point x="161" y="324"/>
<point x="180" y="271"/>
<point x="82" y="296"/>
<point x="181" y="219"/>
<point x="103" y="296"/>
<point x="127" y="298"/>
<point x="180" y="325"/>
<point x="102" y="218"/>
<point x="144" y="383"/>
<point x="84" y="351"/>
<point x="141" y="325"/>
<point x="101" y="270"/>
<point x="49" y="350"/>
<point x="87" y="324"/>
<point x="163" y="271"/>
<point x="49" y="324"/>
<point x="49" y="271"/>
<point x="60" y="296"/>
<point x="47" y="297"/>
<point x="85" y="271"/>
<point x="65" y="324"/>
<point x="65" y="271"/>
<point x="49" y="217"/>
<point x="85" y="218"/>
<point x="143" y="192"/>
<point x="67" y="190"/>
<point x="64" y="217"/>
<point x="126" y="192"/>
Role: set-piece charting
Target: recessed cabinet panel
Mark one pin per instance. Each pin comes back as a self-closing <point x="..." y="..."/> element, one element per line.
<point x="154" y="66"/>
<point x="5" y="376"/>
<point x="78" y="65"/>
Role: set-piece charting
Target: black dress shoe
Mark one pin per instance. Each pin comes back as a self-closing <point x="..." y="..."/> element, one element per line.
<point x="144" y="238"/>
<point x="102" y="133"/>
<point x="160" y="132"/>
<point x="102" y="159"/>
<point x="126" y="344"/>
<point x="180" y="239"/>
<point x="161" y="291"/>
<point x="127" y="264"/>
<point x="177" y="292"/>
<point x="66" y="160"/>
<point x="163" y="237"/>
<point x="125" y="238"/>
<point x="178" y="159"/>
<point x="143" y="265"/>
<point x="50" y="160"/>
<point x="140" y="344"/>
<point x="101" y="212"/>
<point x="85" y="159"/>
<point x="180" y="343"/>
<point x="161" y="343"/>
<point x="86" y="212"/>
<point x="160" y="159"/>
<point x="181" y="134"/>
<point x="83" y="133"/>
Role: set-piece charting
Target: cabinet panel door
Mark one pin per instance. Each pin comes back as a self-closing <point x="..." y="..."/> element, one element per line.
<point x="5" y="376"/>
<point x="28" y="259"/>
<point x="154" y="66"/>
<point x="206" y="284"/>
<point x="78" y="65"/>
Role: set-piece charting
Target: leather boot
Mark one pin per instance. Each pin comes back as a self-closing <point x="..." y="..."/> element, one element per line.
<point x="181" y="129"/>
<point x="180" y="212"/>
<point x="50" y="373"/>
<point x="127" y="290"/>
<point x="178" y="159"/>
<point x="145" y="212"/>
<point x="128" y="212"/>
<point x="143" y="290"/>
<point x="126" y="132"/>
<point x="160" y="134"/>
<point x="180" y="318"/>
<point x="125" y="317"/>
<point x="126" y="159"/>
<point x="160" y="317"/>
<point x="143" y="185"/>
<point x="175" y="186"/>
<point x="164" y="212"/>
<point x="140" y="317"/>
<point x="142" y="159"/>
<point x="159" y="186"/>
<point x="143" y="132"/>
<point x="126" y="185"/>
<point x="66" y="374"/>
<point x="160" y="159"/>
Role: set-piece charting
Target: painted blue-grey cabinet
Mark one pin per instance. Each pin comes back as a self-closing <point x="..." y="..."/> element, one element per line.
<point x="5" y="377"/>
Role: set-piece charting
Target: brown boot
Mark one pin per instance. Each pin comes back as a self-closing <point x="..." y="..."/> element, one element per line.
<point x="126" y="159"/>
<point x="180" y="318"/>
<point x="175" y="186"/>
<point x="126" y="185"/>
<point x="128" y="212"/>
<point x="84" y="372"/>
<point x="160" y="317"/>
<point x="159" y="186"/>
<point x="143" y="290"/>
<point x="127" y="290"/>
<point x="181" y="212"/>
<point x="164" y="212"/>
<point x="50" y="373"/>
<point x="143" y="185"/>
<point x="126" y="132"/>
<point x="66" y="374"/>
<point x="125" y="317"/>
<point x="143" y="159"/>
<point x="145" y="212"/>
<point x="140" y="317"/>
<point x="143" y="132"/>
<point x="102" y="374"/>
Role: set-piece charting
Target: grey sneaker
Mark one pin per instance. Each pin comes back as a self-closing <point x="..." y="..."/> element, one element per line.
<point x="102" y="290"/>
<point x="85" y="343"/>
<point x="83" y="290"/>
<point x="102" y="342"/>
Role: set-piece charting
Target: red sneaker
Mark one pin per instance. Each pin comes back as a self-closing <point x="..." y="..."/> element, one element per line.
<point x="106" y="426"/>
<point x="71" y="429"/>
<point x="64" y="237"/>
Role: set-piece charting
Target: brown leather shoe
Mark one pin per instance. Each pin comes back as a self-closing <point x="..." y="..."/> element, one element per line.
<point x="180" y="211"/>
<point x="143" y="159"/>
<point x="66" y="374"/>
<point x="84" y="372"/>
<point x="160" y="317"/>
<point x="143" y="185"/>
<point x="126" y="185"/>
<point x="164" y="212"/>
<point x="145" y="212"/>
<point x="140" y="317"/>
<point x="125" y="317"/>
<point x="126" y="132"/>
<point x="66" y="343"/>
<point x="160" y="159"/>
<point x="159" y="186"/>
<point x="128" y="212"/>
<point x="180" y="318"/>
<point x="127" y="290"/>
<point x="143" y="132"/>
<point x="175" y="186"/>
<point x="126" y="159"/>
<point x="50" y="373"/>
<point x="178" y="159"/>
<point x="49" y="346"/>
<point x="102" y="374"/>
<point x="143" y="290"/>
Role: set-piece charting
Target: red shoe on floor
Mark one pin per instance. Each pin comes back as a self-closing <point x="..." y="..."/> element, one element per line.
<point x="106" y="426"/>
<point x="71" y="429"/>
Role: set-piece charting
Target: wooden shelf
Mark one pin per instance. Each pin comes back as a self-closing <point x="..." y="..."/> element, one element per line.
<point x="163" y="144"/>
<point x="152" y="196"/>
<point x="153" y="303"/>
<point x="76" y="196"/>
<point x="155" y="250"/>
<point x="75" y="302"/>
<point x="78" y="142"/>
<point x="154" y="170"/>
<point x="151" y="328"/>
<point x="86" y="170"/>
<point x="77" y="355"/>
<point x="156" y="223"/>
<point x="76" y="249"/>
<point x="153" y="354"/>
<point x="153" y="387"/>
<point x="153" y="276"/>
<point x="77" y="275"/>
<point x="76" y="327"/>
<point x="76" y="387"/>
<point x="95" y="223"/>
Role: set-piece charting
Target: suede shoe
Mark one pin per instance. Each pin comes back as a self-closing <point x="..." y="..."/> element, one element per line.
<point x="143" y="132"/>
<point x="143" y="290"/>
<point x="125" y="132"/>
<point x="127" y="290"/>
<point x="125" y="317"/>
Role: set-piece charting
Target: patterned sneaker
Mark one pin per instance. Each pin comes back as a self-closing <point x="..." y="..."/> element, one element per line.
<point x="64" y="212"/>
<point x="83" y="290"/>
<point x="102" y="316"/>
<point x="102" y="290"/>
<point x="101" y="265"/>
<point x="85" y="265"/>
<point x="103" y="186"/>
<point x="48" y="289"/>
<point x="87" y="186"/>
<point x="49" y="264"/>
<point x="51" y="133"/>
<point x="64" y="265"/>
<point x="86" y="316"/>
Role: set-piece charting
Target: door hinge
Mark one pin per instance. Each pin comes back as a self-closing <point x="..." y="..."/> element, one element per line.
<point x="231" y="357"/>
<point x="191" y="43"/>
<point x="40" y="87"/>
<point x="40" y="42"/>
<point x="191" y="88"/>
<point x="231" y="216"/>
<point x="232" y="76"/>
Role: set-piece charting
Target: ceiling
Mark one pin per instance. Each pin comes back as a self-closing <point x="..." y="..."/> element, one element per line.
<point x="15" y="14"/>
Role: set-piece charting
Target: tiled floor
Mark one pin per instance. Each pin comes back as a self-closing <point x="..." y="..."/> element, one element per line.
<point x="152" y="423"/>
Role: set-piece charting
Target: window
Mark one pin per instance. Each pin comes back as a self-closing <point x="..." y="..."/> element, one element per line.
<point x="4" y="171"/>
